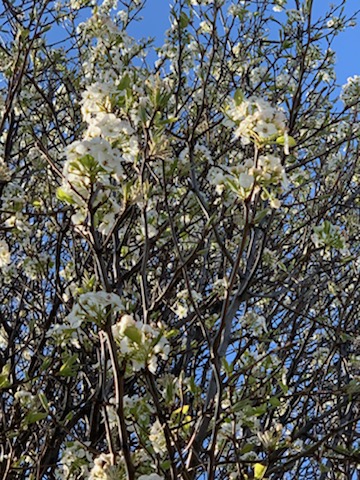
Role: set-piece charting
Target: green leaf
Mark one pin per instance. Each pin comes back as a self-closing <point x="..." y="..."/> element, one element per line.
<point x="228" y="367"/>
<point x="183" y="20"/>
<point x="134" y="334"/>
<point x="172" y="119"/>
<point x="352" y="387"/>
<point x="283" y="387"/>
<point x="4" y="376"/>
<point x="282" y="267"/>
<point x="124" y="83"/>
<point x="166" y="121"/>
<point x="180" y="411"/>
<point x="342" y="450"/>
<point x="45" y="364"/>
<point x="171" y="333"/>
<point x="43" y="401"/>
<point x="248" y="447"/>
<point x="287" y="44"/>
<point x="275" y="402"/>
<point x="68" y="369"/>
<point x="241" y="14"/>
<point x="24" y="33"/>
<point x="259" y="471"/>
<point x="241" y="405"/>
<point x="64" y="197"/>
<point x="89" y="163"/>
<point x="166" y="465"/>
<point x="260" y="410"/>
<point x="184" y="409"/>
<point x="282" y="140"/>
<point x="261" y="215"/>
<point x="324" y="468"/>
<point x="68" y="417"/>
<point x="169" y="392"/>
<point x="35" y="417"/>
<point x="192" y="385"/>
<point x="143" y="114"/>
<point x="238" y="97"/>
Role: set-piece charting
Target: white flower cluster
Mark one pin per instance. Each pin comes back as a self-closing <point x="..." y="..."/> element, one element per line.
<point x="151" y="476"/>
<point x="4" y="254"/>
<point x="285" y="80"/>
<point x="26" y="399"/>
<point x="233" y="423"/>
<point x="75" y="462"/>
<point x="94" y="306"/>
<point x="97" y="103"/>
<point x="270" y="438"/>
<point x="157" y="438"/>
<point x="351" y="91"/>
<point x="99" y="24"/>
<point x="279" y="5"/>
<point x="254" y="322"/>
<point x="268" y="174"/>
<point x="183" y="304"/>
<point x="255" y="119"/>
<point x="4" y="338"/>
<point x="258" y="74"/>
<point x="93" y="163"/>
<point x="295" y="15"/>
<point x="102" y="468"/>
<point x="32" y="266"/>
<point x="77" y="4"/>
<point x="111" y="44"/>
<point x="329" y="236"/>
<point x="140" y="343"/>
<point x="91" y="307"/>
<point x="201" y="2"/>
<point x="5" y="173"/>
<point x="137" y="411"/>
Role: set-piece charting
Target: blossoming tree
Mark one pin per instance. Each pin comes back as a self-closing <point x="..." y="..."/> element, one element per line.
<point x="179" y="243"/>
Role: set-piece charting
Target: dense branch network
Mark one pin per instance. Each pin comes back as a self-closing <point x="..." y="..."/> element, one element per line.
<point x="179" y="243"/>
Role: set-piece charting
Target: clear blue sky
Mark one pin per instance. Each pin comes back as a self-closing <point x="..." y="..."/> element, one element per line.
<point x="346" y="45"/>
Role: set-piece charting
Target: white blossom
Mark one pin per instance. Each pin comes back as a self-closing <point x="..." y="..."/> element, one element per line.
<point x="142" y="344"/>
<point x="5" y="173"/>
<point x="157" y="438"/>
<point x="4" y="254"/>
<point x="151" y="476"/>
<point x="351" y="91"/>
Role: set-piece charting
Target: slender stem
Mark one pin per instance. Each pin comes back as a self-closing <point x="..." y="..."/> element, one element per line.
<point x="119" y="374"/>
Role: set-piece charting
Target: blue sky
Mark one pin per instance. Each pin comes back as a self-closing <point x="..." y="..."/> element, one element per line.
<point x="347" y="44"/>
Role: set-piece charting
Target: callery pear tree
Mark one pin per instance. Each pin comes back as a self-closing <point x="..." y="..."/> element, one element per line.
<point x="179" y="242"/>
